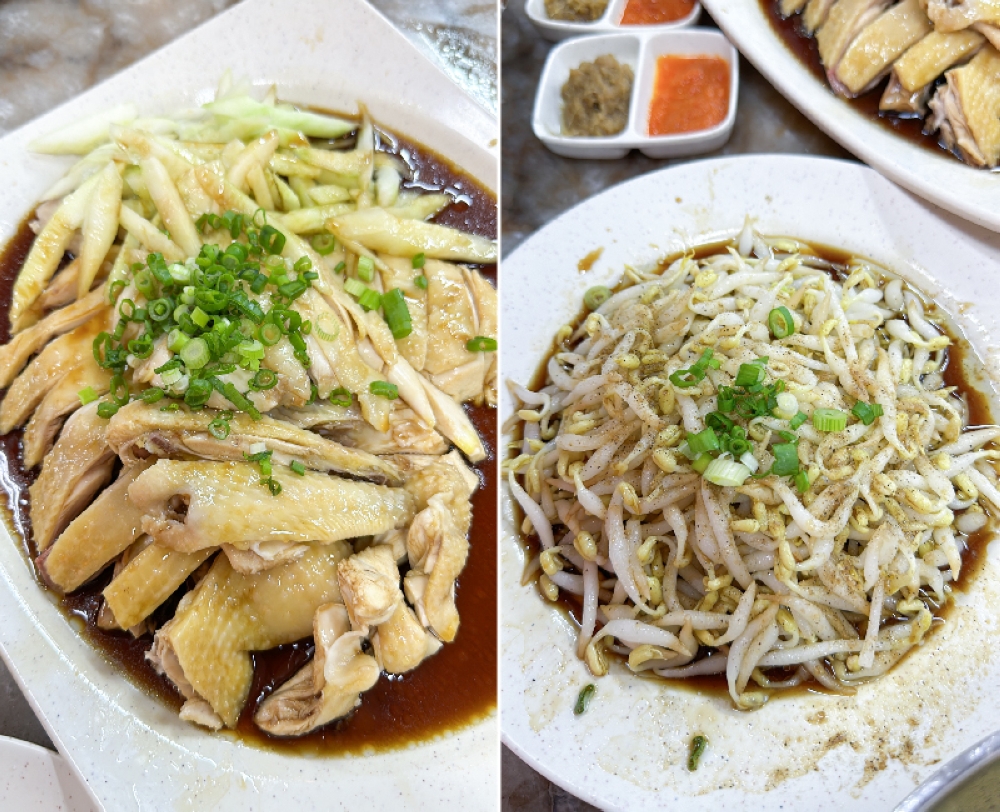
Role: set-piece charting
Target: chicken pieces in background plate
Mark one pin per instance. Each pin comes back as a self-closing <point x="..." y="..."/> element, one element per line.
<point x="241" y="321"/>
<point x="939" y="56"/>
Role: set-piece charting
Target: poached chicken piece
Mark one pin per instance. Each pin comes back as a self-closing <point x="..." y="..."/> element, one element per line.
<point x="940" y="57"/>
<point x="240" y="355"/>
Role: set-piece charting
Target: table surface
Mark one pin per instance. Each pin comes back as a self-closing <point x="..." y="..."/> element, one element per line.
<point x="537" y="186"/>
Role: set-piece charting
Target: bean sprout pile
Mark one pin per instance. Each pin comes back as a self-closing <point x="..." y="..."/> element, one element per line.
<point x="749" y="464"/>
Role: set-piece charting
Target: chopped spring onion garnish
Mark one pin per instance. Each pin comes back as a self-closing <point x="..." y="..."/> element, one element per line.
<point x="802" y="481"/>
<point x="866" y="412"/>
<point x="420" y="281"/>
<point x="341" y="397"/>
<point x="750" y="375"/>
<point x="107" y="409"/>
<point x="481" y="344"/>
<point x="206" y="314"/>
<point x="297" y="467"/>
<point x="693" y="375"/>
<point x="219" y="428"/>
<point x="583" y="699"/>
<point x="726" y="473"/>
<point x="698" y="745"/>
<point x="370" y="299"/>
<point x="325" y="334"/>
<point x="703" y="441"/>
<point x="750" y="461"/>
<point x="262" y="456"/>
<point x="701" y="463"/>
<point x="596" y="296"/>
<point x="384" y="389"/>
<point x="719" y="422"/>
<point x="264" y="379"/>
<point x="354" y="287"/>
<point x="396" y="313"/>
<point x="87" y="395"/>
<point x="798" y="420"/>
<point x="786" y="459"/>
<point x="339" y="267"/>
<point x="829" y="419"/>
<point x="787" y="406"/>
<point x="366" y="269"/>
<point x="195" y="353"/>
<point x="323" y="244"/>
<point x="269" y="334"/>
<point x="780" y="322"/>
<point x="418" y="261"/>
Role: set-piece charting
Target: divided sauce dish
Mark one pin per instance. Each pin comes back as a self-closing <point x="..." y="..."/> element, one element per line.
<point x="640" y="51"/>
<point x="609" y="21"/>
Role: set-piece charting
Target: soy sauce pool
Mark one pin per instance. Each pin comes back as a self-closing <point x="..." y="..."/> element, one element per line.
<point x="447" y="692"/>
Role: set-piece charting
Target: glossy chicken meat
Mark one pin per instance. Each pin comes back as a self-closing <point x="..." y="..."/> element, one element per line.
<point x="239" y="357"/>
<point x="933" y="59"/>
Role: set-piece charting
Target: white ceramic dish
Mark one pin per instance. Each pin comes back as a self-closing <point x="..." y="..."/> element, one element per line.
<point x="805" y="752"/>
<point x="935" y="175"/>
<point x="639" y="50"/>
<point x="610" y="20"/>
<point x="131" y="750"/>
<point x="33" y="779"/>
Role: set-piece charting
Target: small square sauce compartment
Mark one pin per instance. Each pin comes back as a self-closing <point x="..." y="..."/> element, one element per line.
<point x="610" y="21"/>
<point x="640" y="50"/>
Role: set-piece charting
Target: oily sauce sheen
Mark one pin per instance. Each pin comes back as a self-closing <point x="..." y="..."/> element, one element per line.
<point x="450" y="690"/>
<point x="959" y="372"/>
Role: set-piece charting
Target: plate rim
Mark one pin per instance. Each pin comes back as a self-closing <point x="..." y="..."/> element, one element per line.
<point x="463" y="124"/>
<point x="527" y="744"/>
<point x="745" y="24"/>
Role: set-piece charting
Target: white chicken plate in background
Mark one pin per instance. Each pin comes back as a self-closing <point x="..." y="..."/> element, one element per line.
<point x="247" y="308"/>
<point x="940" y="57"/>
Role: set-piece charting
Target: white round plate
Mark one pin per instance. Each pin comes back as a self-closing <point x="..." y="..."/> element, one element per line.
<point x="933" y="174"/>
<point x="133" y="752"/>
<point x="33" y="779"/>
<point x="808" y="751"/>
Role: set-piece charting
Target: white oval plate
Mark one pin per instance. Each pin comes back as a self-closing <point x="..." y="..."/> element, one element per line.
<point x="123" y="743"/>
<point x="804" y="752"/>
<point x="33" y="779"/>
<point x="934" y="175"/>
<point x="608" y="22"/>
